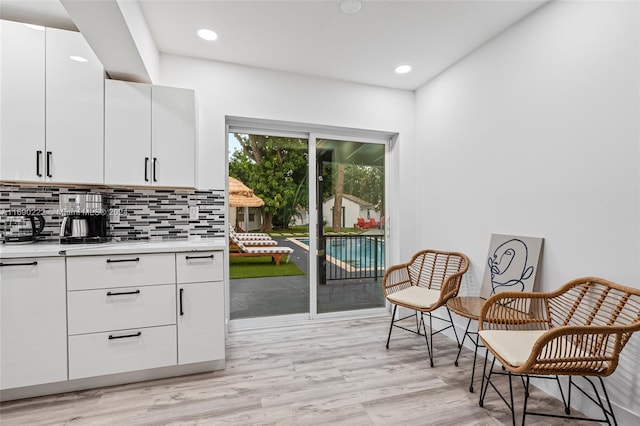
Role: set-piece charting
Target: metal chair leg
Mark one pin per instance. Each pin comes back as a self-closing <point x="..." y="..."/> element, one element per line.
<point x="428" y="337"/>
<point x="485" y="378"/>
<point x="455" y="333"/>
<point x="466" y="332"/>
<point x="526" y="398"/>
<point x="606" y="396"/>
<point x="475" y="355"/>
<point x="393" y="317"/>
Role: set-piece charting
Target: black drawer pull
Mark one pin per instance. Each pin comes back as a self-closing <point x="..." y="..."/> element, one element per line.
<point x="34" y="263"/>
<point x="146" y="168"/>
<point x="48" y="164"/>
<point x="38" y="155"/>
<point x="181" y="311"/>
<point x="137" y="259"/>
<point x="122" y="293"/>
<point x="124" y="336"/>
<point x="199" y="257"/>
<point x="155" y="167"/>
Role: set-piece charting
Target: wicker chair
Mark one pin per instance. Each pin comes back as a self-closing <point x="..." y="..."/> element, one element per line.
<point x="423" y="285"/>
<point x="578" y="330"/>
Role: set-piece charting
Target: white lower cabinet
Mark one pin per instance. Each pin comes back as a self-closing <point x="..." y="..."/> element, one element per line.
<point x="33" y="327"/>
<point x="77" y="317"/>
<point x="200" y="306"/>
<point x="141" y="311"/>
<point x="200" y="322"/>
<point x="120" y="351"/>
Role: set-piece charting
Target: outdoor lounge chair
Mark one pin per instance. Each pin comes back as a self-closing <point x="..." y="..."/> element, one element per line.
<point x="362" y="224"/>
<point x="245" y="236"/>
<point x="423" y="285"/>
<point x="577" y="330"/>
<point x="248" y="250"/>
<point x="259" y="240"/>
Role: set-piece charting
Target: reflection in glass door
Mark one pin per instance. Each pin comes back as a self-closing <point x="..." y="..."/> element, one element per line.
<point x="350" y="230"/>
<point x="268" y="211"/>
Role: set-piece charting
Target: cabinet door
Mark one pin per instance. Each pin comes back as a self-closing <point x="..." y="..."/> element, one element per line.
<point x="127" y="133"/>
<point x="74" y="108"/>
<point x="173" y="136"/>
<point x="22" y="98"/>
<point x="200" y="322"/>
<point x="33" y="337"/>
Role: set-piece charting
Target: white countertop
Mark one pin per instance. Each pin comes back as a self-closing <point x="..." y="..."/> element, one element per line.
<point x="48" y="249"/>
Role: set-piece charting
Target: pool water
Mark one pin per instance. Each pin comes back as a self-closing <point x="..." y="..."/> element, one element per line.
<point x="357" y="252"/>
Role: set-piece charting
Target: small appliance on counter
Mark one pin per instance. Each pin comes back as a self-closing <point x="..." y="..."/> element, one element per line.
<point x="85" y="219"/>
<point x="22" y="229"/>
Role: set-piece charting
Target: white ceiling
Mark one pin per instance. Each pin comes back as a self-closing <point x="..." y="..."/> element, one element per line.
<point x="315" y="37"/>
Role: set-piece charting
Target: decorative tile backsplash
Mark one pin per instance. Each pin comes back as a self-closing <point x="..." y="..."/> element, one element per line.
<point x="137" y="213"/>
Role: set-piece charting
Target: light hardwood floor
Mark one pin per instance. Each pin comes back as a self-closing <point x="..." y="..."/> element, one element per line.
<point x="327" y="373"/>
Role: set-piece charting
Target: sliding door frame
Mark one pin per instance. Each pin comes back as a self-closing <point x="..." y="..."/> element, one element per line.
<point x="311" y="133"/>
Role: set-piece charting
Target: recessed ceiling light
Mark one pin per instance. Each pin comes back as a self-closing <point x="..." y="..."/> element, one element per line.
<point x="78" y="58"/>
<point x="208" y="35"/>
<point x="35" y="27"/>
<point x="350" y="6"/>
<point x="403" y="69"/>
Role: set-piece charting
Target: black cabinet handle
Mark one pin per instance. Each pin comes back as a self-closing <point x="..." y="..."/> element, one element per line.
<point x="199" y="257"/>
<point x="124" y="336"/>
<point x="34" y="263"/>
<point x="137" y="259"/>
<point x="48" y="168"/>
<point x="38" y="157"/>
<point x="181" y="311"/>
<point x="122" y="293"/>
<point x="155" y="160"/>
<point x="146" y="169"/>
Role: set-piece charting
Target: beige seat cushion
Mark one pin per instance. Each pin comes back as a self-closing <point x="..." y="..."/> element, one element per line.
<point x="514" y="346"/>
<point x="415" y="296"/>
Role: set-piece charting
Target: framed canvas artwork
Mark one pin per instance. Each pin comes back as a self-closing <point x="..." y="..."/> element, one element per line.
<point x="512" y="264"/>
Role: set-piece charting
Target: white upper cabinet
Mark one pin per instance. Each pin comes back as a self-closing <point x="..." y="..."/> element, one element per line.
<point x="127" y="133"/>
<point x="74" y="108"/>
<point x="52" y="106"/>
<point x="149" y="135"/>
<point x="22" y="111"/>
<point x="173" y="136"/>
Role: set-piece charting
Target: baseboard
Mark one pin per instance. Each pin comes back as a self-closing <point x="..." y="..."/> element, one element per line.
<point x="110" y="380"/>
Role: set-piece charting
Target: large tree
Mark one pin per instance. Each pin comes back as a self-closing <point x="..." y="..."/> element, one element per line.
<point x="337" y="203"/>
<point x="275" y="168"/>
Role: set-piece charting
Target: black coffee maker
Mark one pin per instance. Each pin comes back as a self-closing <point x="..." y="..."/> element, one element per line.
<point x="85" y="219"/>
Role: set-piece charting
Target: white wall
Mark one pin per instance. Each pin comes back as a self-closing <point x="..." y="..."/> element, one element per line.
<point x="537" y="133"/>
<point x="232" y="90"/>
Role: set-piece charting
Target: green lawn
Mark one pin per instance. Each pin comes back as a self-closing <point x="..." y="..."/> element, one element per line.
<point x="258" y="267"/>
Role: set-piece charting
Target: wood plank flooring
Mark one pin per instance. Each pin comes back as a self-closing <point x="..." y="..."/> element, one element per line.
<point x="326" y="373"/>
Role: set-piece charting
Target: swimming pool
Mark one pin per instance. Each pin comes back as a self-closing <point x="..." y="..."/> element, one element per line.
<point x="355" y="251"/>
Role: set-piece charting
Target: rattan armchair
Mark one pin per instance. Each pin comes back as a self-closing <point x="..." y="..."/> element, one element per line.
<point x="578" y="330"/>
<point x="423" y="285"/>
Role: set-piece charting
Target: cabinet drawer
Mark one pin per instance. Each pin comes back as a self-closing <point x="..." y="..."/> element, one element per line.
<point x="198" y="267"/>
<point x="92" y="311"/>
<point x="92" y="272"/>
<point x="118" y="352"/>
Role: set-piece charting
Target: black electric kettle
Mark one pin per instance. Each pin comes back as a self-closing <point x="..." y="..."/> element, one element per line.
<point x="23" y="228"/>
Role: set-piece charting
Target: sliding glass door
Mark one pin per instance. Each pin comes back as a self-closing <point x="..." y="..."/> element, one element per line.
<point x="268" y="216"/>
<point x="350" y="232"/>
<point x="304" y="247"/>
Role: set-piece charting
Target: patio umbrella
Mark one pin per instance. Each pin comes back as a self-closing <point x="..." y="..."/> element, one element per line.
<point x="241" y="195"/>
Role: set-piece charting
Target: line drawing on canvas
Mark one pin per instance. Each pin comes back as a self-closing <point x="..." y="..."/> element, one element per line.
<point x="508" y="265"/>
